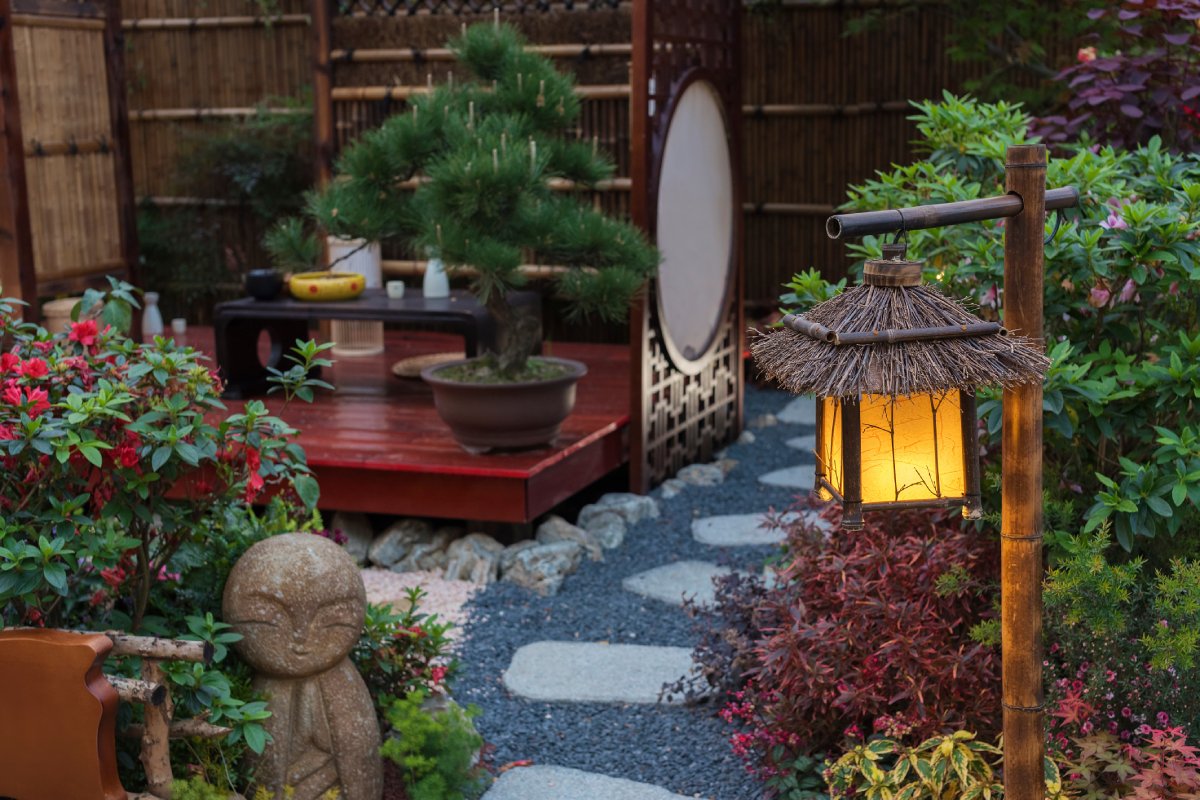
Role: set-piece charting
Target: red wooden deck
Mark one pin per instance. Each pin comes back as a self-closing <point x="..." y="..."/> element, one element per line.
<point x="377" y="445"/>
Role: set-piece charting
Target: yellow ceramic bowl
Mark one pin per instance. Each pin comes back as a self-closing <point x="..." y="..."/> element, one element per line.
<point x="327" y="286"/>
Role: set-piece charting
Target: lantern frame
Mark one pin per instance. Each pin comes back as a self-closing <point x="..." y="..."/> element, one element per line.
<point x="851" y="498"/>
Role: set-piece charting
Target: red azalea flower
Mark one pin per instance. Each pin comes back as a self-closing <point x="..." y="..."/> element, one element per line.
<point x="84" y="332"/>
<point x="437" y="675"/>
<point x="113" y="576"/>
<point x="35" y="368"/>
<point x="254" y="485"/>
<point x="39" y="401"/>
<point x="8" y="362"/>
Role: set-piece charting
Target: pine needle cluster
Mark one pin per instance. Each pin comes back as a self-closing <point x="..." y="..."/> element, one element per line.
<point x="483" y="153"/>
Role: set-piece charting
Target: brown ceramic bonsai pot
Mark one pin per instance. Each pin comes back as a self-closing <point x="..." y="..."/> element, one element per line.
<point x="487" y="416"/>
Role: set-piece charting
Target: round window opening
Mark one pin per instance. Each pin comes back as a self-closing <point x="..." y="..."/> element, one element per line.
<point x="695" y="226"/>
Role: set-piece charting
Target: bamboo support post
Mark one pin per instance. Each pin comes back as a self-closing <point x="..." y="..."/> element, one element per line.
<point x="323" y="133"/>
<point x="132" y="690"/>
<point x="151" y="647"/>
<point x="156" y="735"/>
<point x="416" y="54"/>
<point x="1021" y="487"/>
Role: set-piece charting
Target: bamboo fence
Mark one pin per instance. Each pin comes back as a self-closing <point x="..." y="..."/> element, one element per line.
<point x="821" y="109"/>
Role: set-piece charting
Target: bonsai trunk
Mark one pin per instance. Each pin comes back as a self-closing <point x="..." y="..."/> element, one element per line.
<point x="518" y="335"/>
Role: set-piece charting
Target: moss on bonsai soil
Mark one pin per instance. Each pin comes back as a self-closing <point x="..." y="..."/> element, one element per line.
<point x="485" y="370"/>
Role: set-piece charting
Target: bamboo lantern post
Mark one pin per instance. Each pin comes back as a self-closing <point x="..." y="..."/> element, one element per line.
<point x="872" y="346"/>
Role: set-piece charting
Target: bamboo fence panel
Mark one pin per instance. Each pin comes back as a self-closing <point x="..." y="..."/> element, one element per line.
<point x="66" y="124"/>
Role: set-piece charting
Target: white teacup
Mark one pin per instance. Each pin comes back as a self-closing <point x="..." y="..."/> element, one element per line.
<point x="395" y="289"/>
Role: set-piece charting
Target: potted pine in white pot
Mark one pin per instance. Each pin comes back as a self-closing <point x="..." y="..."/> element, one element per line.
<point x="485" y="155"/>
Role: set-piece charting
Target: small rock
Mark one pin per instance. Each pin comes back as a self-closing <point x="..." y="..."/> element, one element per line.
<point x="672" y="487"/>
<point x="557" y="529"/>
<point x="391" y="546"/>
<point x="429" y="556"/>
<point x="475" y="557"/>
<point x="747" y="437"/>
<point x="633" y="508"/>
<point x="544" y="567"/>
<point x="358" y="532"/>
<point x="510" y="553"/>
<point x="701" y="475"/>
<point x="727" y="465"/>
<point x="604" y="525"/>
<point x="764" y="421"/>
<point x="801" y="411"/>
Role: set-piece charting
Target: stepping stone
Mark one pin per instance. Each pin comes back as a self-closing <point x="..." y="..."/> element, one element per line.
<point x="735" y="530"/>
<point x="670" y="582"/>
<point x="806" y="443"/>
<point x="560" y="783"/>
<point x="799" y="477"/>
<point x="801" y="411"/>
<point x="593" y="672"/>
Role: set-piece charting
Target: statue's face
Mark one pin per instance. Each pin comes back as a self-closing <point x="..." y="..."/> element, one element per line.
<point x="298" y="602"/>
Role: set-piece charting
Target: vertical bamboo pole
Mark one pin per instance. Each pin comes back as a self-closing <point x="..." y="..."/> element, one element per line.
<point x="322" y="36"/>
<point x="1021" y="485"/>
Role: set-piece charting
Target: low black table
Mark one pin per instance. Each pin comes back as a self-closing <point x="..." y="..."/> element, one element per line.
<point x="239" y="323"/>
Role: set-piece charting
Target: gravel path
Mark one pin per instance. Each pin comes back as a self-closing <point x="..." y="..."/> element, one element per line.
<point x="682" y="749"/>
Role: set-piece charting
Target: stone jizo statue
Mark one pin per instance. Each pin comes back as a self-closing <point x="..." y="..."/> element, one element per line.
<point x="299" y="603"/>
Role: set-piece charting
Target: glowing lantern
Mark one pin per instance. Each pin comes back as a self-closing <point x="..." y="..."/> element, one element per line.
<point x="894" y="366"/>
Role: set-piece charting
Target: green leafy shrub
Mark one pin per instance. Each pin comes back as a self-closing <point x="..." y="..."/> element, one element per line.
<point x="1123" y="645"/>
<point x="403" y="652"/>
<point x="436" y="750"/>
<point x="955" y="766"/>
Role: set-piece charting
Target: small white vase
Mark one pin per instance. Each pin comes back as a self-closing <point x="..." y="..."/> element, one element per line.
<point x="152" y="321"/>
<point x="355" y="255"/>
<point x="437" y="283"/>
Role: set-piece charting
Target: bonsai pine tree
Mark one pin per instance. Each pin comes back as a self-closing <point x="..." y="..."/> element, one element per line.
<point x="483" y="153"/>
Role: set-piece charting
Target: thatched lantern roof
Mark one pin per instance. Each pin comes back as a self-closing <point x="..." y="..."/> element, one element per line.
<point x="891" y="335"/>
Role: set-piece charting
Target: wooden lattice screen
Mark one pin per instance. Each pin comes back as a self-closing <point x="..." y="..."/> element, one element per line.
<point x="681" y="416"/>
<point x="371" y="55"/>
<point x="67" y="216"/>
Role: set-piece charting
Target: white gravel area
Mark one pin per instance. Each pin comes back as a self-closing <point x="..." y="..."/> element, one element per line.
<point x="444" y="598"/>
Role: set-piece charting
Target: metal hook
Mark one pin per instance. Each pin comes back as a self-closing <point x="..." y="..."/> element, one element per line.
<point x="1058" y="219"/>
<point x="903" y="232"/>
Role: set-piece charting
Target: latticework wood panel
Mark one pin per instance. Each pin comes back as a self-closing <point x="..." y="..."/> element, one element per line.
<point x="682" y="418"/>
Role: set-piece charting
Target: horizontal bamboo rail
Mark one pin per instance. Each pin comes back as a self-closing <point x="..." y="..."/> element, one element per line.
<point x="182" y="729"/>
<point x="132" y="690"/>
<point x="614" y="91"/>
<point x="386" y="55"/>
<point x="550" y="5"/>
<point x="824" y="109"/>
<point x="789" y="209"/>
<point x="79" y="147"/>
<point x="935" y="216"/>
<point x="175" y="114"/>
<point x="194" y="23"/>
<point x="162" y="649"/>
<point x="415" y="269"/>
<point x="66" y="23"/>
<point x="557" y="184"/>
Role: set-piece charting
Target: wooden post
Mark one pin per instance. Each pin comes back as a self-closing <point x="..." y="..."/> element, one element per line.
<point x="1021" y="486"/>
<point x="156" y="735"/>
<point x="322" y="26"/>
<point x="16" y="237"/>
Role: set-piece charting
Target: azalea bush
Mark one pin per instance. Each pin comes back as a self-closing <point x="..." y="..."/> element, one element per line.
<point x="128" y="491"/>
<point x="1122" y="299"/>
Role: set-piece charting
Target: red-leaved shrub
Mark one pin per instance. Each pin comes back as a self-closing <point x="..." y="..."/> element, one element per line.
<point x="869" y="631"/>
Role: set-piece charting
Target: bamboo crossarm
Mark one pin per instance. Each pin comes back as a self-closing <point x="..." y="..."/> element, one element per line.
<point x="160" y="649"/>
<point x="132" y="690"/>
<point x="842" y="226"/>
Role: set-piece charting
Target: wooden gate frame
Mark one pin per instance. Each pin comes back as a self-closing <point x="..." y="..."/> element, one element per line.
<point x="679" y="418"/>
<point x="17" y="268"/>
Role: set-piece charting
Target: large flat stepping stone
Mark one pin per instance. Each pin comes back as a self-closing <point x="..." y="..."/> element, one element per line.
<point x="799" y="477"/>
<point x="591" y="672"/>
<point x="801" y="411"/>
<point x="560" y="783"/>
<point x="735" y="530"/>
<point x="670" y="582"/>
<point x="806" y="443"/>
